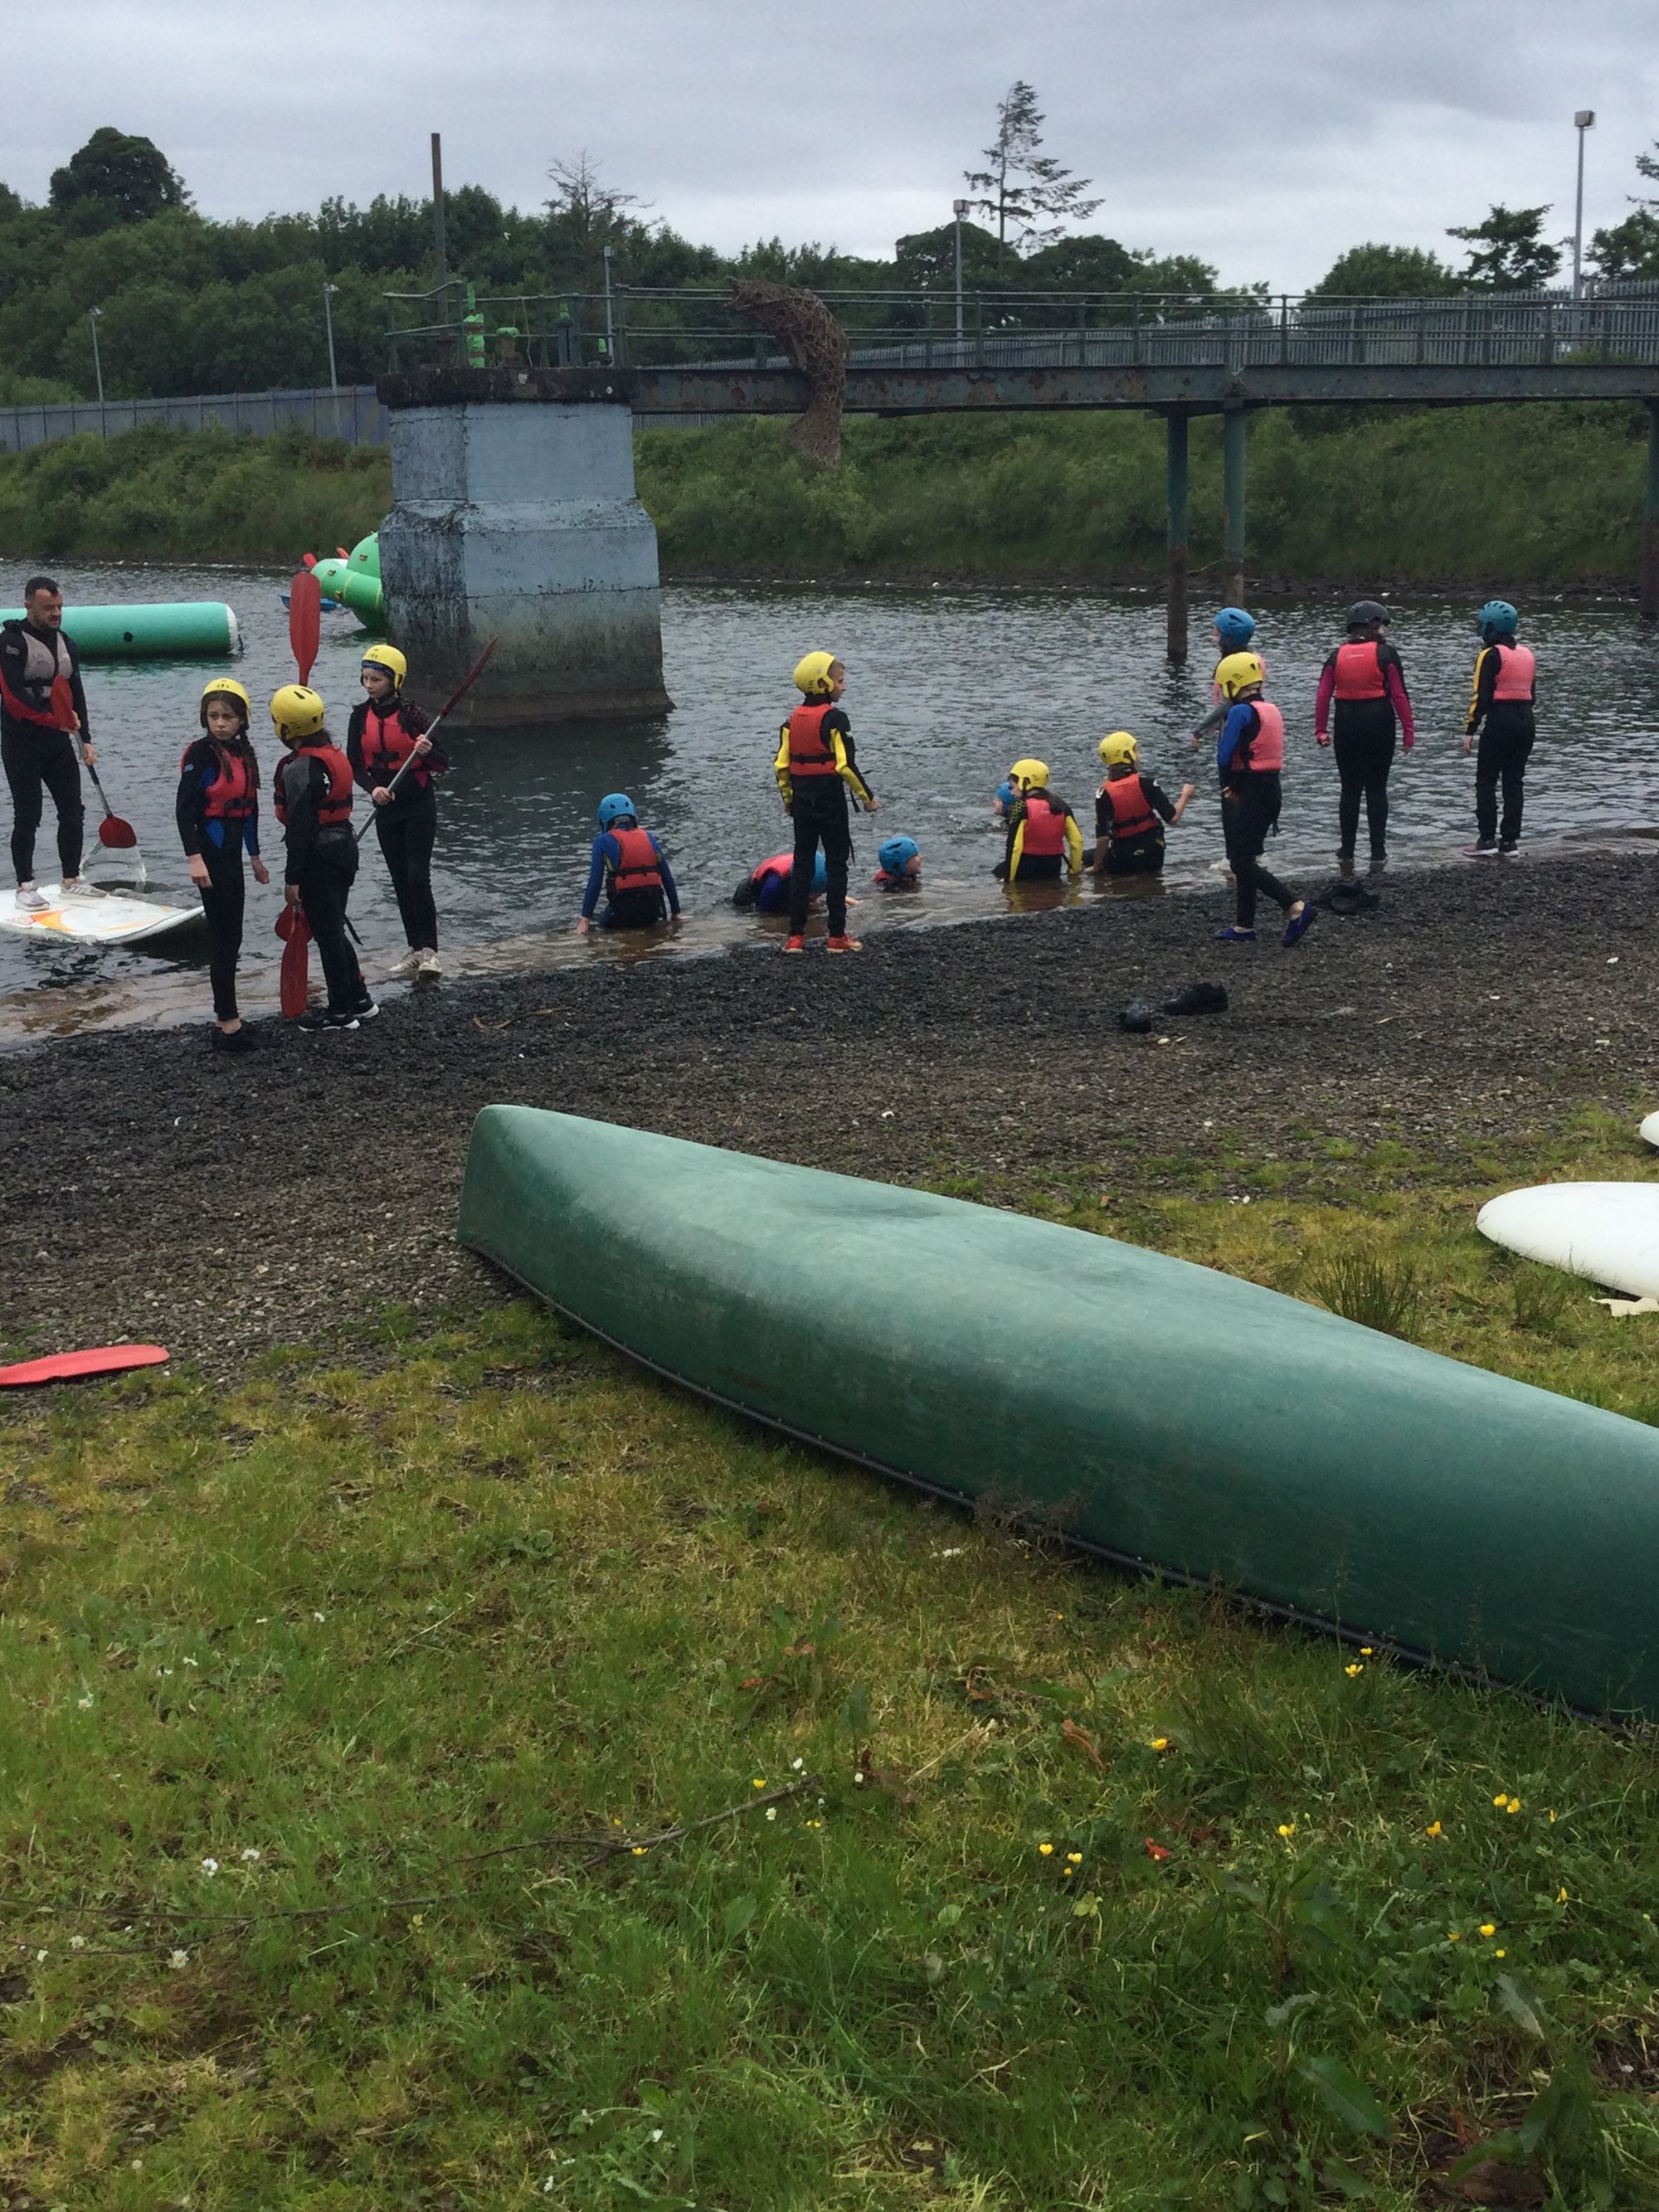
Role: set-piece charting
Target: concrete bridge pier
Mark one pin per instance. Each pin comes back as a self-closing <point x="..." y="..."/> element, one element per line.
<point x="1647" y="601"/>
<point x="1232" y="499"/>
<point x="514" y="517"/>
<point x="1174" y="433"/>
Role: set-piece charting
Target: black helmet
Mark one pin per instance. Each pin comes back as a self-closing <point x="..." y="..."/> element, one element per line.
<point x="1367" y="614"/>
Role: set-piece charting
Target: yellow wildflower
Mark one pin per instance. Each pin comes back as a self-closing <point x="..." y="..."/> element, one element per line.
<point x="1047" y="1850"/>
<point x="1160" y="1743"/>
<point x="1365" y="1650"/>
<point x="1488" y="1927"/>
<point x="1287" y="1828"/>
<point x="1514" y="1805"/>
<point x="1501" y="1799"/>
<point x="1433" y="1828"/>
<point x="1354" y="1666"/>
<point x="1452" y="1935"/>
<point x="1500" y="1954"/>
<point x="760" y="1782"/>
<point x="1074" y="1858"/>
<point x="1561" y="1896"/>
<point x="640" y="1850"/>
<point x="1552" y="1816"/>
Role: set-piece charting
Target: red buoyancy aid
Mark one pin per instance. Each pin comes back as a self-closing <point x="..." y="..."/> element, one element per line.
<point x="1263" y="753"/>
<point x="1518" y="673"/>
<point x="1045" y="828"/>
<point x="233" y="795"/>
<point x="781" y="863"/>
<point x="1359" y="669"/>
<point x="334" y="809"/>
<point x="387" y="745"/>
<point x="637" y="870"/>
<point x="1131" y="816"/>
<point x="810" y="754"/>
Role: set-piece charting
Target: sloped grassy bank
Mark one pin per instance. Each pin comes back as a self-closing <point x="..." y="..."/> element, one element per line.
<point x="1542" y="497"/>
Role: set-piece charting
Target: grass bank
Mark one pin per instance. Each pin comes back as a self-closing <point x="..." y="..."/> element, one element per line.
<point x="361" y="1721"/>
<point x="1541" y="497"/>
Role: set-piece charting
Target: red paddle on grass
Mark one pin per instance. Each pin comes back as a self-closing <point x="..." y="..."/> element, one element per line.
<point x="305" y="629"/>
<point x="113" y="831"/>
<point x="448" y="706"/>
<point x="61" y="1366"/>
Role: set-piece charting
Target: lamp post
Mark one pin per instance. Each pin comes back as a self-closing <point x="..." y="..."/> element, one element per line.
<point x="329" y="291"/>
<point x="609" y="315"/>
<point x="93" y="314"/>
<point x="959" y="208"/>
<point x="1582" y="121"/>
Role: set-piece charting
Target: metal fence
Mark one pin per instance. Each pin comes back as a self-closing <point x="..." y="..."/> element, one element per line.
<point x="353" y="413"/>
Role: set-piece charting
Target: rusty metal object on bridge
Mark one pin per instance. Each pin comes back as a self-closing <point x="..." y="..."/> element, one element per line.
<point x="819" y="348"/>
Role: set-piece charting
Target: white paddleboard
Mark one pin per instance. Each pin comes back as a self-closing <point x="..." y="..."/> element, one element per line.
<point x="115" y="919"/>
<point x="1607" y="1231"/>
<point x="1649" y="1129"/>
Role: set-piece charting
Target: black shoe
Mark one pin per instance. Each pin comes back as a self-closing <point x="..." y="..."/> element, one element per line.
<point x="1198" y="999"/>
<point x="1136" y="1017"/>
<point x="314" y="1025"/>
<point x="1345" y="864"/>
<point x="365" y="1009"/>
<point x="241" y="1040"/>
<point x="1379" y="864"/>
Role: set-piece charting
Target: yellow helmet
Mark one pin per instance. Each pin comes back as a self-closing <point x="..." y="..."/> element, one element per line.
<point x="1239" y="671"/>
<point x="1029" y="775"/>
<point x="389" y="658"/>
<point x="1119" y="750"/>
<point x="297" y="711"/>
<point x="226" y="687"/>
<point x="812" y="675"/>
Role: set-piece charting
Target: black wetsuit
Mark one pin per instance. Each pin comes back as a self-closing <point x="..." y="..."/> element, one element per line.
<point x="407" y="825"/>
<point x="36" y="756"/>
<point x="221" y="845"/>
<point x="322" y="863"/>
<point x="1131" y="856"/>
<point x="818" y="808"/>
<point x="1508" y="729"/>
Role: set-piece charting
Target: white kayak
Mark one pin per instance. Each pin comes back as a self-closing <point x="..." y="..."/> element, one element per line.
<point x="1649" y="1129"/>
<point x="115" y="919"/>
<point x="1605" y="1232"/>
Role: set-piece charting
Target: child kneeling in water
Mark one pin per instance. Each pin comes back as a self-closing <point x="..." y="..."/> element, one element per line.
<point x="1130" y="809"/>
<point x="1249" y="756"/>
<point x="630" y="867"/>
<point x="900" y="868"/>
<point x="766" y="890"/>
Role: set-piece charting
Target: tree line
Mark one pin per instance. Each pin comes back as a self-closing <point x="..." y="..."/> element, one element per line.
<point x="187" y="304"/>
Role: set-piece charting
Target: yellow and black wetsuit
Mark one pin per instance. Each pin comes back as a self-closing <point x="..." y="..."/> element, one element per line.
<point x="816" y="767"/>
<point x="1042" y="837"/>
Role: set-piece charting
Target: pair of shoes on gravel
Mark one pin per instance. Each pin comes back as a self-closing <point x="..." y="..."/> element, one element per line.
<point x="1136" y="1017"/>
<point x="320" y="1022"/>
<point x="240" y="1040"/>
<point x="842" y="943"/>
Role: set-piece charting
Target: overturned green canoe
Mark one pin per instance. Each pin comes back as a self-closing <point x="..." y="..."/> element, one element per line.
<point x="1159" y="1412"/>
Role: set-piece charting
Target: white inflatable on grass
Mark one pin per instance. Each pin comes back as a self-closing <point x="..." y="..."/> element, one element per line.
<point x="1608" y="1232"/>
<point x="1649" y="1129"/>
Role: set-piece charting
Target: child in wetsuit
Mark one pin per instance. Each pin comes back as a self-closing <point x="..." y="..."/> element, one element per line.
<point x="217" y="811"/>
<point x="631" y="868"/>
<point x="1501" y="709"/>
<point x="765" y="890"/>
<point x="900" y="865"/>
<point x="311" y="793"/>
<point x="1249" y="757"/>
<point x="1130" y="809"/>
<point x="394" y="762"/>
<point x="1042" y="833"/>
<point x="815" y="766"/>
<point x="1366" y="679"/>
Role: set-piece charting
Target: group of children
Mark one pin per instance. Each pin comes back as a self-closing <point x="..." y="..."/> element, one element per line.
<point x="1362" y="708"/>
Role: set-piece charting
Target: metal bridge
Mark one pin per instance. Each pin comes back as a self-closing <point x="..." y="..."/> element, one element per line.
<point x="670" y="354"/>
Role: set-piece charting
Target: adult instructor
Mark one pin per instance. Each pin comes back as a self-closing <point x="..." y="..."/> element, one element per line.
<point x="38" y="754"/>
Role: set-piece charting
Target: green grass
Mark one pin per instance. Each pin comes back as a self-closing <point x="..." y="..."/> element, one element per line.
<point x="443" y="1635"/>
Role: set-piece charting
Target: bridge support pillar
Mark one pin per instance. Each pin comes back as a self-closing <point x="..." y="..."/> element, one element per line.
<point x="516" y="519"/>
<point x="1175" y="432"/>
<point x="1232" y="497"/>
<point x="1648" y="600"/>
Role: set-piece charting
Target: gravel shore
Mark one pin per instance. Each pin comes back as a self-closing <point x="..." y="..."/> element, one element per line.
<point x="221" y="1206"/>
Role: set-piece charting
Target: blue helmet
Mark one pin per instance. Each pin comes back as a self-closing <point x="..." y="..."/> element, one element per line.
<point x="1005" y="790"/>
<point x="613" y="807"/>
<point x="896" y="854"/>
<point x="820" y="877"/>
<point x="1235" y="629"/>
<point x="1498" y="618"/>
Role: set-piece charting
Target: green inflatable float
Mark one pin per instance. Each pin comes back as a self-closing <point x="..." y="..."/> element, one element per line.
<point x="198" y="630"/>
<point x="1169" y="1417"/>
<point x="355" y="582"/>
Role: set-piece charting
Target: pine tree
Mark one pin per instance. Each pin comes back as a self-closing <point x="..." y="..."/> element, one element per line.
<point x="1021" y="185"/>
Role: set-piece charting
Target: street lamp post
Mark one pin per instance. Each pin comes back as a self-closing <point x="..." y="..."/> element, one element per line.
<point x="959" y="208"/>
<point x="610" y="314"/>
<point x="93" y="314"/>
<point x="1582" y="121"/>
<point x="329" y="291"/>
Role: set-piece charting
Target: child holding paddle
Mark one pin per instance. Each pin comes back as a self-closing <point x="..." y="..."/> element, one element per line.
<point x="394" y="760"/>
<point x="313" y="796"/>
<point x="218" y="815"/>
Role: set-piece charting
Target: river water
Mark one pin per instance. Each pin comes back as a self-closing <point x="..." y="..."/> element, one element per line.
<point x="945" y="688"/>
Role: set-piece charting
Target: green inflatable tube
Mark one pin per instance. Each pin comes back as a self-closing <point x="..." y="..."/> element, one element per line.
<point x="193" y="629"/>
<point x="1170" y="1416"/>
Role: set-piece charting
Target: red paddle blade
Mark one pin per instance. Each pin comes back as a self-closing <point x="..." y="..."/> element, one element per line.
<point x="295" y="978"/>
<point x="112" y="830"/>
<point x="61" y="1366"/>
<point x="304" y="621"/>
<point x="63" y="703"/>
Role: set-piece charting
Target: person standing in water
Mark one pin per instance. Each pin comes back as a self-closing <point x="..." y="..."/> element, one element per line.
<point x="816" y="767"/>
<point x="1366" y="680"/>
<point x="217" y="811"/>
<point x="37" y="751"/>
<point x="1501" y="709"/>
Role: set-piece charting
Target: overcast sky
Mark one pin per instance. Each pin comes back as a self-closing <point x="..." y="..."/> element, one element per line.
<point x="1264" y="137"/>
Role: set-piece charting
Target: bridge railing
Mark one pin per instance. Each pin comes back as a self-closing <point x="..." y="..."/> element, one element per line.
<point x="648" y="328"/>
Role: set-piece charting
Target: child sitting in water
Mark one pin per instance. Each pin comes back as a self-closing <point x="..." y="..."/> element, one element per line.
<point x="900" y="868"/>
<point x="766" y="888"/>
<point x="630" y="867"/>
<point x="1042" y="833"/>
<point x="1130" y="811"/>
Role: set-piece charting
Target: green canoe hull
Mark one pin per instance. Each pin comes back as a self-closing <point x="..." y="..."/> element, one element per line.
<point x="1160" y="1412"/>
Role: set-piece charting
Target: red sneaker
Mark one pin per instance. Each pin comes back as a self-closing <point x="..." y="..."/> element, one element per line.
<point x="843" y="943"/>
<point x="794" y="945"/>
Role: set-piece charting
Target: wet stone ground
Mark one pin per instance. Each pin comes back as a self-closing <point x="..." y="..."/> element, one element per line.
<point x="222" y="1205"/>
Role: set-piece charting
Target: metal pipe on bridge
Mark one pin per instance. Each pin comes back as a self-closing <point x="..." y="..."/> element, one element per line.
<point x="1648" y="598"/>
<point x="1175" y="432"/>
